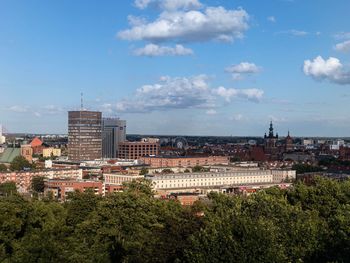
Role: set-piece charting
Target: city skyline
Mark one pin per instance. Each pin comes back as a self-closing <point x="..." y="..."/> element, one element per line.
<point x="184" y="67"/>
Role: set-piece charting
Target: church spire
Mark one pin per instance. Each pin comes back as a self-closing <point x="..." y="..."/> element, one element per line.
<point x="271" y="130"/>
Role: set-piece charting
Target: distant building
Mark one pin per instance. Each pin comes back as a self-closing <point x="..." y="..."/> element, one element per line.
<point x="37" y="146"/>
<point x="271" y="141"/>
<point x="84" y="135"/>
<point x="179" y="161"/>
<point x="51" y="152"/>
<point x="61" y="188"/>
<point x="23" y="179"/>
<point x="135" y="150"/>
<point x="27" y="152"/>
<point x="212" y="181"/>
<point x="113" y="133"/>
<point x="289" y="143"/>
<point x="2" y="138"/>
<point x="9" y="154"/>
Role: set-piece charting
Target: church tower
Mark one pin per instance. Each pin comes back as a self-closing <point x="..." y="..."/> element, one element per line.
<point x="289" y="143"/>
<point x="271" y="141"/>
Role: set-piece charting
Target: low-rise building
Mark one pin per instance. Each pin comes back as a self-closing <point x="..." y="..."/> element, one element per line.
<point x="49" y="152"/>
<point x="23" y="179"/>
<point x="114" y="182"/>
<point x="178" y="161"/>
<point x="119" y="179"/>
<point x="27" y="152"/>
<point x="207" y="181"/>
<point x="61" y="188"/>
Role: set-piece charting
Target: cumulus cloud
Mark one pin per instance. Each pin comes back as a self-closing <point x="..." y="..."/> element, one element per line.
<point x="170" y="93"/>
<point x="230" y="93"/>
<point x="241" y="69"/>
<point x="153" y="50"/>
<point x="212" y="23"/>
<point x="169" y="4"/>
<point x="343" y="46"/>
<point x="331" y="69"/>
<point x="182" y="93"/>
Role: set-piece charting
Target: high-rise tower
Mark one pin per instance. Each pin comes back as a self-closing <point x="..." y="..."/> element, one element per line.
<point x="113" y="133"/>
<point x="84" y="135"/>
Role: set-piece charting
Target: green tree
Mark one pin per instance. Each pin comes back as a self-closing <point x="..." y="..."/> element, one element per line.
<point x="167" y="171"/>
<point x="198" y="169"/>
<point x="38" y="184"/>
<point x="19" y="163"/>
<point x="144" y="171"/>
<point x="3" y="167"/>
<point x="8" y="188"/>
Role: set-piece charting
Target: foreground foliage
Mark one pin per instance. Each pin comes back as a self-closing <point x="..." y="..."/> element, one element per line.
<point x="303" y="224"/>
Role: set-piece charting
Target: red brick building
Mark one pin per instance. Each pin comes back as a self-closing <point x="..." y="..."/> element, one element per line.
<point x="61" y="188"/>
<point x="177" y="161"/>
<point x="135" y="150"/>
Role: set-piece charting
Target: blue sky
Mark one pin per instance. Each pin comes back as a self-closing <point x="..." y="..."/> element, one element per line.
<point x="190" y="67"/>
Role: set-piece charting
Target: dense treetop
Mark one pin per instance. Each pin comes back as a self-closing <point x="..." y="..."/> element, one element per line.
<point x="302" y="224"/>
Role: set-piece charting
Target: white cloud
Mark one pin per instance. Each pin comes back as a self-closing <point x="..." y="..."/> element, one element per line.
<point x="182" y="93"/>
<point x="211" y="112"/>
<point x="213" y="23"/>
<point x="230" y="93"/>
<point x="37" y="114"/>
<point x="243" y="68"/>
<point x="294" y="32"/>
<point x="237" y="117"/>
<point x="153" y="50"/>
<point x="52" y="109"/>
<point x="342" y="35"/>
<point x="170" y="93"/>
<point x="277" y="119"/>
<point x="17" y="108"/>
<point x="169" y="4"/>
<point x="331" y="69"/>
<point x="343" y="46"/>
<point x="271" y="19"/>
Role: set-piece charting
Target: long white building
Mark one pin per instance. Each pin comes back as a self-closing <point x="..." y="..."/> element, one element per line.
<point x="216" y="180"/>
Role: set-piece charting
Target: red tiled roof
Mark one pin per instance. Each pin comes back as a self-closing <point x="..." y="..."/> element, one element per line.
<point x="36" y="142"/>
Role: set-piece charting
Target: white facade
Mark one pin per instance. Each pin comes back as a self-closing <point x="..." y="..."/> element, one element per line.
<point x="219" y="179"/>
<point x="2" y="138"/>
<point x="119" y="179"/>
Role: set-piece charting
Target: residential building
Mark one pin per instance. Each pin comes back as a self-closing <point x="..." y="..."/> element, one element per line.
<point x="207" y="181"/>
<point x="23" y="179"/>
<point x="113" y="133"/>
<point x="84" y="135"/>
<point x="119" y="179"/>
<point x="27" y="152"/>
<point x="49" y="152"/>
<point x="179" y="161"/>
<point x="135" y="150"/>
<point x="61" y="188"/>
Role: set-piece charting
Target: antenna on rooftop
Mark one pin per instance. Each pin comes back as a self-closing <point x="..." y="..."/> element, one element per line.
<point x="81" y="101"/>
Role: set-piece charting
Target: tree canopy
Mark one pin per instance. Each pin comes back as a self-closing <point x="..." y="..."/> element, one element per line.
<point x="19" y="163"/>
<point x="300" y="224"/>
